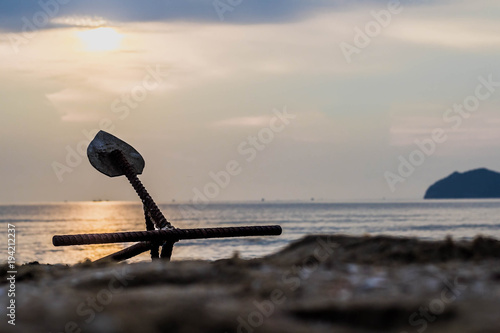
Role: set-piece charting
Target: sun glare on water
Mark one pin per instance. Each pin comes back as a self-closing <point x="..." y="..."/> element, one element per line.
<point x="100" y="39"/>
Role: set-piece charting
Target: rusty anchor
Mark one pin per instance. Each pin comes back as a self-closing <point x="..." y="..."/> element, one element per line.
<point x="114" y="157"/>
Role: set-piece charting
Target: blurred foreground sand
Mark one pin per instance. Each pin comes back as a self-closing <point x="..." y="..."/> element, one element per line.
<point x="317" y="284"/>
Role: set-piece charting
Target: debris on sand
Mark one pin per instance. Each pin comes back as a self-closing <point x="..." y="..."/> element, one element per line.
<point x="316" y="284"/>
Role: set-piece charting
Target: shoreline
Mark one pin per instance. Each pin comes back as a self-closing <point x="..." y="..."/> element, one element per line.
<point x="317" y="284"/>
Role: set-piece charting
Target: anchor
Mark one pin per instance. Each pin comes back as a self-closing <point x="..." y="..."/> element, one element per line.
<point x="114" y="157"/>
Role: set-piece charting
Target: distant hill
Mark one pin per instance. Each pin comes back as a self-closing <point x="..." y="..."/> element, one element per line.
<point x="474" y="184"/>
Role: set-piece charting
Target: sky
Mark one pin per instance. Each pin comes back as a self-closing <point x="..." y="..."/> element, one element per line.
<point x="243" y="100"/>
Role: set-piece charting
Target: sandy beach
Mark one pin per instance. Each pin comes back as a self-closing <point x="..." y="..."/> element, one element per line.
<point x="317" y="284"/>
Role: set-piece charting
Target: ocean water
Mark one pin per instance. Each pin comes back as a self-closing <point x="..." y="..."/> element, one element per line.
<point x="35" y="225"/>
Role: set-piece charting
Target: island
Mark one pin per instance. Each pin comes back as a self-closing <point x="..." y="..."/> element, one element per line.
<point x="475" y="184"/>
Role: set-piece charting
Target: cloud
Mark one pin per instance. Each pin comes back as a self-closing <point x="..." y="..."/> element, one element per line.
<point x="465" y="33"/>
<point x="79" y="21"/>
<point x="224" y="80"/>
<point x="243" y="122"/>
<point x="239" y="12"/>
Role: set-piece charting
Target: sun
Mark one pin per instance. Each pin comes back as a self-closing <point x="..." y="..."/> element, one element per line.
<point x="100" y="39"/>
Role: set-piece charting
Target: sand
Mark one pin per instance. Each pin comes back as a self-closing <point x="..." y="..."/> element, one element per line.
<point x="317" y="284"/>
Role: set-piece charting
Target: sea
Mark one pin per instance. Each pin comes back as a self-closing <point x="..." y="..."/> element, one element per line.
<point x="36" y="224"/>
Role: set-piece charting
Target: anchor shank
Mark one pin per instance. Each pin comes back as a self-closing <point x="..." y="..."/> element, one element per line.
<point x="157" y="216"/>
